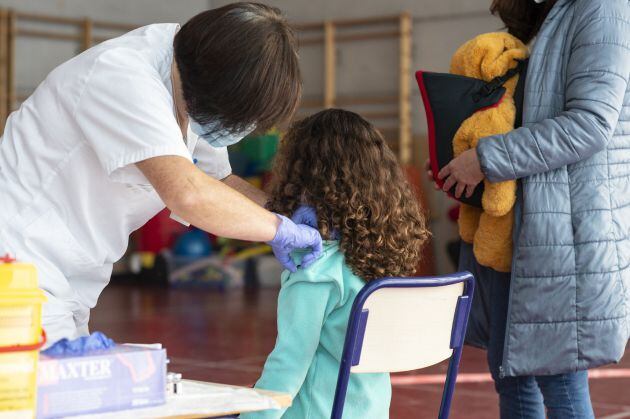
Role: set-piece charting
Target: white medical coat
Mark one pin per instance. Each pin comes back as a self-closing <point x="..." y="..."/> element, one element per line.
<point x="70" y="193"/>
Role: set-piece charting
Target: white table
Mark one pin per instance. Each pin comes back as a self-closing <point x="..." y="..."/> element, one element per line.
<point x="200" y="400"/>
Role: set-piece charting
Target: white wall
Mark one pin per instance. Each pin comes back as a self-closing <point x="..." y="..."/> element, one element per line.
<point x="36" y="57"/>
<point x="123" y="11"/>
<point x="440" y="26"/>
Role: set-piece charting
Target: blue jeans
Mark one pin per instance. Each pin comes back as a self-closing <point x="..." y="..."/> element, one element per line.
<point x="563" y="396"/>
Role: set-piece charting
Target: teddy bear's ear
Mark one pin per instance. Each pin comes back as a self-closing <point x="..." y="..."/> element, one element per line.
<point x="502" y="52"/>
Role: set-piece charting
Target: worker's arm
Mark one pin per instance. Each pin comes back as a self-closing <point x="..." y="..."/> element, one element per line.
<point x="214" y="161"/>
<point x="247" y="189"/>
<point x="207" y="203"/>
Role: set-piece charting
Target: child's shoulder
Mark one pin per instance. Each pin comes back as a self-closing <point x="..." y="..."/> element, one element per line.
<point x="329" y="268"/>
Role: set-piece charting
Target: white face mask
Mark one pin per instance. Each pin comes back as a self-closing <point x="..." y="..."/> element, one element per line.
<point x="217" y="137"/>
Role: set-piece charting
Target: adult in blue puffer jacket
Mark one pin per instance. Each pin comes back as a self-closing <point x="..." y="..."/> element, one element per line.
<point x="565" y="307"/>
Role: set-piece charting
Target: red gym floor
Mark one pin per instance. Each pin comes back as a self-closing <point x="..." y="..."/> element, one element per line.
<point x="224" y="337"/>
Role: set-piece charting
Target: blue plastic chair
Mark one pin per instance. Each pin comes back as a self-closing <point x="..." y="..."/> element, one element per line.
<point x="405" y="324"/>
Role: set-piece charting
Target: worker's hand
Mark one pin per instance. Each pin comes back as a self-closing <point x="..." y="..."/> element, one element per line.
<point x="291" y="236"/>
<point x="305" y="214"/>
<point x="427" y="167"/>
<point x="463" y="172"/>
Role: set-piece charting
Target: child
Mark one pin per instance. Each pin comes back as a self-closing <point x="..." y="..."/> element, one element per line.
<point x="337" y="163"/>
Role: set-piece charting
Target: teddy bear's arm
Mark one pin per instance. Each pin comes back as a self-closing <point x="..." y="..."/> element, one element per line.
<point x="498" y="198"/>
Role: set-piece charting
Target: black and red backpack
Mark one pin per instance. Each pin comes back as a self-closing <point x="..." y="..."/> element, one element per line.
<point x="450" y="99"/>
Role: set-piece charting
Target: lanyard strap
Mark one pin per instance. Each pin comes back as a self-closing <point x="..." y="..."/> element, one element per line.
<point x="499" y="81"/>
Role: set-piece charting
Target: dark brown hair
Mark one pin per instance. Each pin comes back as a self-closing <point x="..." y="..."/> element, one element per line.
<point x="522" y="18"/>
<point x="340" y="164"/>
<point x="239" y="66"/>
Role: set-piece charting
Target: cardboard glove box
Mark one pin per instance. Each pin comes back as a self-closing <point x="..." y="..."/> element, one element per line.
<point x="123" y="377"/>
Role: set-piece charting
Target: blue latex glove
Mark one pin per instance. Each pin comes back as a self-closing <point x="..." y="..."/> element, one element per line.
<point x="305" y="214"/>
<point x="80" y="346"/>
<point x="291" y="236"/>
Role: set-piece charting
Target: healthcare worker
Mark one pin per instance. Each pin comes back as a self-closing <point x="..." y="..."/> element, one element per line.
<point x="110" y="138"/>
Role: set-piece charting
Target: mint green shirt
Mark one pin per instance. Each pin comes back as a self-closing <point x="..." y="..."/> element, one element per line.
<point x="313" y="310"/>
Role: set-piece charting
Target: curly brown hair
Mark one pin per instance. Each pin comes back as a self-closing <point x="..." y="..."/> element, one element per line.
<point x="338" y="163"/>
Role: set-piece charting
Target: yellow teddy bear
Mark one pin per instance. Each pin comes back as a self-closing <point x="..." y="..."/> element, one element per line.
<point x="489" y="230"/>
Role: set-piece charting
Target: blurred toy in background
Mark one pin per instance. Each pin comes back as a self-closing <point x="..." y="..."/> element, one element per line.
<point x="253" y="156"/>
<point x="143" y="263"/>
<point x="192" y="263"/>
<point x="235" y="265"/>
<point x="209" y="273"/>
<point x="193" y="244"/>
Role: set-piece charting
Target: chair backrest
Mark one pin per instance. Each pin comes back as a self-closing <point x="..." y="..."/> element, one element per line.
<point x="403" y="324"/>
<point x="409" y="323"/>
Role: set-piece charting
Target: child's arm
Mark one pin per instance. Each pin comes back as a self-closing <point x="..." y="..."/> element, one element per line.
<point x="302" y="309"/>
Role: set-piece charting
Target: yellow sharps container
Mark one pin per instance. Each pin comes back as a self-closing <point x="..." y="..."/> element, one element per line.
<point x="21" y="337"/>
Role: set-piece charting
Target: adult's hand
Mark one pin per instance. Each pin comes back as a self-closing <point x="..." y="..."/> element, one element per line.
<point x="305" y="214"/>
<point x="463" y="172"/>
<point x="291" y="236"/>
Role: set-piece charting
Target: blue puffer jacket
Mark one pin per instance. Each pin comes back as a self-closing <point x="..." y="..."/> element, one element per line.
<point x="570" y="293"/>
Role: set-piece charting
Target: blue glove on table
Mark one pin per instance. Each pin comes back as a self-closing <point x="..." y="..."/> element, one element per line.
<point x="80" y="346"/>
<point x="305" y="214"/>
<point x="291" y="236"/>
